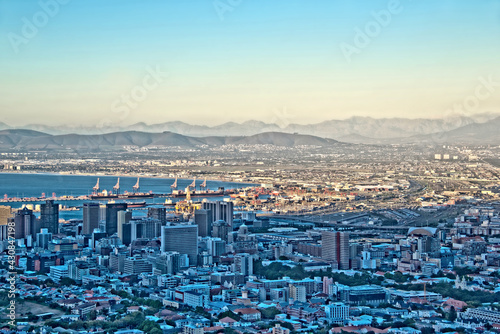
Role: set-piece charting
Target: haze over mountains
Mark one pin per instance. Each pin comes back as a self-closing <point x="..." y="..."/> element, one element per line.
<point x="479" y="129"/>
<point x="30" y="139"/>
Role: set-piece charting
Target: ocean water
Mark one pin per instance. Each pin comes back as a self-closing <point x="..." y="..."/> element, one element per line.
<point x="33" y="185"/>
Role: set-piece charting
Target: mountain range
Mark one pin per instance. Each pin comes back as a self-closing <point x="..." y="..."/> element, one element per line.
<point x="30" y="139"/>
<point x="477" y="129"/>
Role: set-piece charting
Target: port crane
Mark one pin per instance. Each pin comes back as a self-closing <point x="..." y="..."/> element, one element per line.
<point x="174" y="185"/>
<point x="136" y="186"/>
<point x="117" y="186"/>
<point x="96" y="187"/>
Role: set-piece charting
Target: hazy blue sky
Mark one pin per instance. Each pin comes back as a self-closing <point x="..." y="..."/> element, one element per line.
<point x="90" y="61"/>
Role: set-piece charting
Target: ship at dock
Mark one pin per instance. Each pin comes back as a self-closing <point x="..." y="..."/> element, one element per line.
<point x="203" y="191"/>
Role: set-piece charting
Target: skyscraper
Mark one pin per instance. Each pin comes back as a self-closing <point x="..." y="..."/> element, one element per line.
<point x="123" y="227"/>
<point x="220" y="211"/>
<point x="182" y="239"/>
<point x="25" y="224"/>
<point x="90" y="217"/>
<point x="220" y="229"/>
<point x="151" y="228"/>
<point x="203" y="220"/>
<point x="158" y="214"/>
<point x="335" y="248"/>
<point x="112" y="210"/>
<point x="49" y="216"/>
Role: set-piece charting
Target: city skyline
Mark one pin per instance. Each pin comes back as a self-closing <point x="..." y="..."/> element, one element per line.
<point x="211" y="62"/>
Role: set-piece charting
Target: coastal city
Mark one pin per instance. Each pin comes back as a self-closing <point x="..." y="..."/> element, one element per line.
<point x="249" y="167"/>
<point x="274" y="239"/>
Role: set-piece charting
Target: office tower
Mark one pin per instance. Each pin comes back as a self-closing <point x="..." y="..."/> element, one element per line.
<point x="243" y="264"/>
<point x="158" y="214"/>
<point x="5" y="214"/>
<point x="25" y="223"/>
<point x="220" y="229"/>
<point x="112" y="210"/>
<point x="43" y="238"/>
<point x="337" y="312"/>
<point x="335" y="248"/>
<point x="136" y="230"/>
<point x="167" y="263"/>
<point x="297" y="293"/>
<point x="203" y="220"/>
<point x="49" y="216"/>
<point x="220" y="211"/>
<point x="117" y="260"/>
<point x="216" y="247"/>
<point x="136" y="265"/>
<point x="123" y="218"/>
<point x="96" y="236"/>
<point x="151" y="228"/>
<point x="90" y="217"/>
<point x="182" y="239"/>
<point x="78" y="269"/>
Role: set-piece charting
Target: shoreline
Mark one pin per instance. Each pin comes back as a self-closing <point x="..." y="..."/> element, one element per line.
<point x="120" y="175"/>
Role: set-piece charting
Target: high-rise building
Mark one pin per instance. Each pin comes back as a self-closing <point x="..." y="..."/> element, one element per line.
<point x="125" y="233"/>
<point x="220" y="211"/>
<point x="136" y="265"/>
<point x="25" y="223"/>
<point x="5" y="214"/>
<point x="220" y="229"/>
<point x="158" y="214"/>
<point x="151" y="228"/>
<point x="90" y="217"/>
<point x="243" y="264"/>
<point x="112" y="210"/>
<point x="43" y="238"/>
<point x="335" y="248"/>
<point x="202" y="218"/>
<point x="167" y="263"/>
<point x="297" y="293"/>
<point x="136" y="230"/>
<point x="117" y="260"/>
<point x="49" y="216"/>
<point x="123" y="226"/>
<point x="216" y="247"/>
<point x="182" y="239"/>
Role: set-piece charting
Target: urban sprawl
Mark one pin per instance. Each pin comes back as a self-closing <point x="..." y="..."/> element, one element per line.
<point x="344" y="239"/>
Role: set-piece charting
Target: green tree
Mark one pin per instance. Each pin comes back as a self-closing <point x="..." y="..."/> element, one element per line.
<point x="452" y="315"/>
<point x="66" y="281"/>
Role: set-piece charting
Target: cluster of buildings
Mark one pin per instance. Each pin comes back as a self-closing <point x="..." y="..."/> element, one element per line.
<point x="256" y="274"/>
